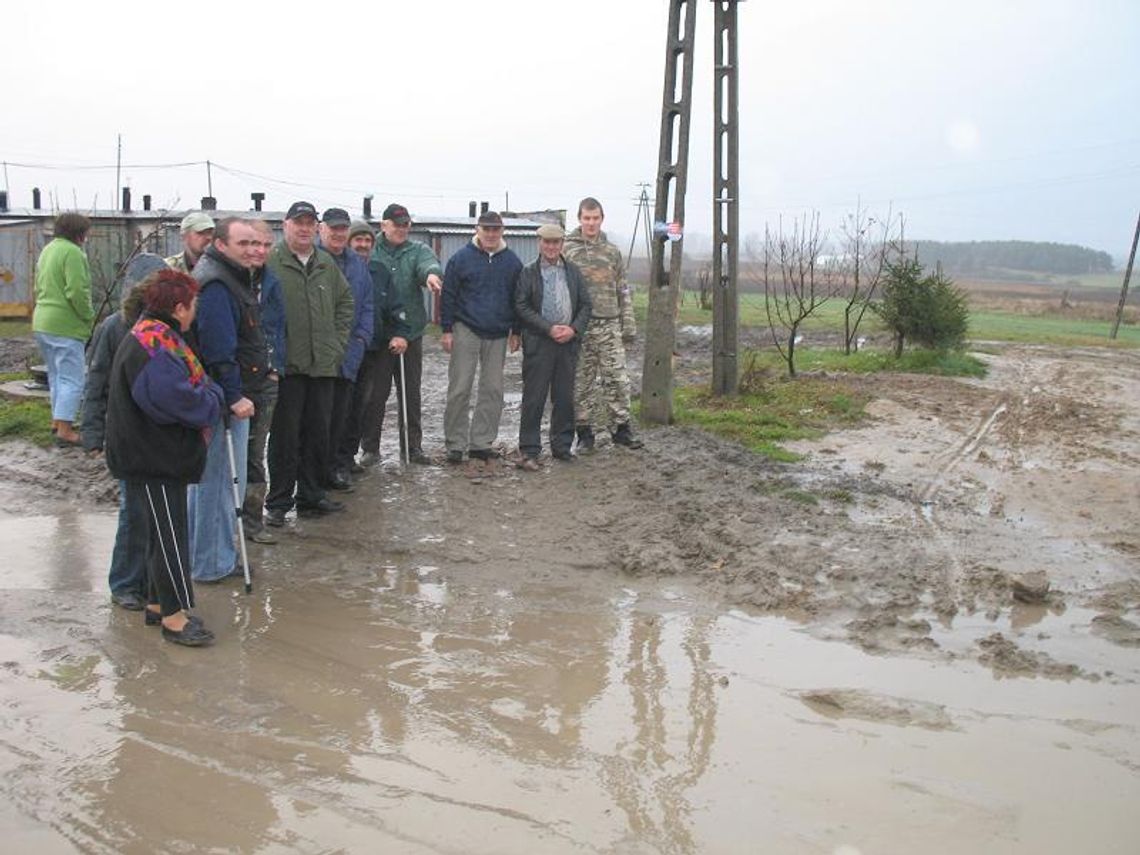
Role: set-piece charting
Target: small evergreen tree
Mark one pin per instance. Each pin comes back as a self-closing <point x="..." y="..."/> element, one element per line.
<point x="928" y="310"/>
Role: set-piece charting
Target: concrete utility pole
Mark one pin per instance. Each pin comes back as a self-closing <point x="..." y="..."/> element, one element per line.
<point x="669" y="207"/>
<point x="726" y="203"/>
<point x="1124" y="288"/>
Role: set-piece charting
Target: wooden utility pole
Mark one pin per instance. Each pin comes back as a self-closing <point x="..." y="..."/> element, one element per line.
<point x="1124" y="288"/>
<point x="669" y="207"/>
<point x="726" y="201"/>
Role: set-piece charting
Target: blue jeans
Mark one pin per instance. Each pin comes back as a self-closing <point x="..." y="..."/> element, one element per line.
<point x="66" y="372"/>
<point x="213" y="552"/>
<point x="128" y="558"/>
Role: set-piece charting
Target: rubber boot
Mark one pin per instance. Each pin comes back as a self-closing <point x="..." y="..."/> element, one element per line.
<point x="251" y="515"/>
<point x="623" y="435"/>
<point x="585" y="438"/>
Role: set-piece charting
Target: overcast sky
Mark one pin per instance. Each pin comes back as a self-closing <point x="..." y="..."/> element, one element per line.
<point x="977" y="119"/>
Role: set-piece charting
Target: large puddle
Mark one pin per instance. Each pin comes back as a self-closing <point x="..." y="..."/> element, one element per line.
<point x="369" y="700"/>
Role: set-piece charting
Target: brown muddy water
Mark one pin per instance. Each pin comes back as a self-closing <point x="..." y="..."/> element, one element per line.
<point x="664" y="652"/>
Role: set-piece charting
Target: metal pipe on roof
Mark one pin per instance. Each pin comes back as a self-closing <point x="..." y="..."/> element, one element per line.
<point x="257" y="198"/>
<point x="146" y="201"/>
<point x="126" y="200"/>
<point x="35" y="198"/>
<point x="209" y="203"/>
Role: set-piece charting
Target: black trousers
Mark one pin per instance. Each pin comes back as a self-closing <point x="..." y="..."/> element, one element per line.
<point x="167" y="543"/>
<point x="378" y="373"/>
<point x="548" y="372"/>
<point x="299" y="441"/>
<point x="344" y="393"/>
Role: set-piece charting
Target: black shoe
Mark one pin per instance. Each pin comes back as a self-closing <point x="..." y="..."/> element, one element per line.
<point x="319" y="509"/>
<point x="194" y="634"/>
<point x="275" y="517"/>
<point x="529" y="464"/>
<point x="624" y="436"/>
<point x="340" y="482"/>
<point x="417" y="456"/>
<point x="155" y="618"/>
<point x="128" y="600"/>
<point x="585" y="438"/>
<point x="564" y="456"/>
<point x="455" y="457"/>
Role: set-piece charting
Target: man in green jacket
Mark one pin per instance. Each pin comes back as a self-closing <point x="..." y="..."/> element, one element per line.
<point x="62" y="320"/>
<point x="414" y="268"/>
<point x="318" y="319"/>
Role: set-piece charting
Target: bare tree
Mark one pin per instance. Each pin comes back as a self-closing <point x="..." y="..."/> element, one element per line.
<point x="795" y="283"/>
<point x="867" y="247"/>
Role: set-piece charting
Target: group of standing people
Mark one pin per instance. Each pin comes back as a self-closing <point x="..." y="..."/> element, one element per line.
<point x="240" y="350"/>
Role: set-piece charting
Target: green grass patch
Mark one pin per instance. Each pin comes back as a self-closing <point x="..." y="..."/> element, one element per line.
<point x="30" y="420"/>
<point x="1049" y="329"/>
<point x="772" y="412"/>
<point x="11" y="327"/>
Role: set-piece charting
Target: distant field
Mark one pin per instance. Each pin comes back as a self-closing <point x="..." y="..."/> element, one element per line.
<point x="1002" y="318"/>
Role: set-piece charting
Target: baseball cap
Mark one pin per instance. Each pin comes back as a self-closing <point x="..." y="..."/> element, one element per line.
<point x="336" y="217"/>
<point x="300" y="209"/>
<point x="197" y="222"/>
<point x="549" y="231"/>
<point x="397" y="213"/>
<point x="490" y="218"/>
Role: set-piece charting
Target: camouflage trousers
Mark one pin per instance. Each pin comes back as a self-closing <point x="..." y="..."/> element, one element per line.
<point x="601" y="386"/>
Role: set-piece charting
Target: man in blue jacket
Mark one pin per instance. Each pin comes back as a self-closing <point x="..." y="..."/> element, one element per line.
<point x="477" y="315"/>
<point x="335" y="224"/>
<point x="232" y="345"/>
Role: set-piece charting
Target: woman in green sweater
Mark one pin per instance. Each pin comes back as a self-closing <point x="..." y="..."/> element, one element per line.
<point x="62" y="319"/>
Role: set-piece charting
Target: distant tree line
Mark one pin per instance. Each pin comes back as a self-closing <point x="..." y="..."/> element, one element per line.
<point x="1034" y="256"/>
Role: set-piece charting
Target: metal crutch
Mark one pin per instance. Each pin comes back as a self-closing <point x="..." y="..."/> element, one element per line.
<point x="237" y="504"/>
<point x="404" y="412"/>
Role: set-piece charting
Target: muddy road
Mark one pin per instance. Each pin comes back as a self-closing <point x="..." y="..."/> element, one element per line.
<point x="922" y="638"/>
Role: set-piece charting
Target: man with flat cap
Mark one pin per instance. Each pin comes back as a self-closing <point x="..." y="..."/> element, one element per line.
<point x="335" y="228"/>
<point x="361" y="239"/>
<point x="414" y="269"/>
<point x="318" y="320"/>
<point x="197" y="234"/>
<point x="477" y="316"/>
<point x="553" y="306"/>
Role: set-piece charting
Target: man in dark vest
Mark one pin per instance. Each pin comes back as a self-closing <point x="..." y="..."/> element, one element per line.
<point x="232" y="345"/>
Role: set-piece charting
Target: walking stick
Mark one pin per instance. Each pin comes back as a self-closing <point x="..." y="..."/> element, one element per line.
<point x="237" y="504"/>
<point x="404" y="412"/>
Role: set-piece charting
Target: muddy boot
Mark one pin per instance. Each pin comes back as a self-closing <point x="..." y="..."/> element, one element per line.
<point x="251" y="515"/>
<point x="624" y="436"/>
<point x="585" y="438"/>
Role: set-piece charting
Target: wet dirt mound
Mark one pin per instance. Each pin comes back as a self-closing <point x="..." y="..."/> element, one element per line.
<point x="866" y="706"/>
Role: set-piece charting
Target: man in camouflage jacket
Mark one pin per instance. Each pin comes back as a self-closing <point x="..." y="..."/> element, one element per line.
<point x="601" y="364"/>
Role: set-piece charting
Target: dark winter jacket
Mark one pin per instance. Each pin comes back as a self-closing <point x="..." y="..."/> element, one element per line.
<point x="318" y="311"/>
<point x="160" y="406"/>
<point x="100" y="357"/>
<point x="390" y="318"/>
<point x="228" y="329"/>
<point x="355" y="271"/>
<point x="528" y="300"/>
<point x="479" y="291"/>
<point x="410" y="264"/>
